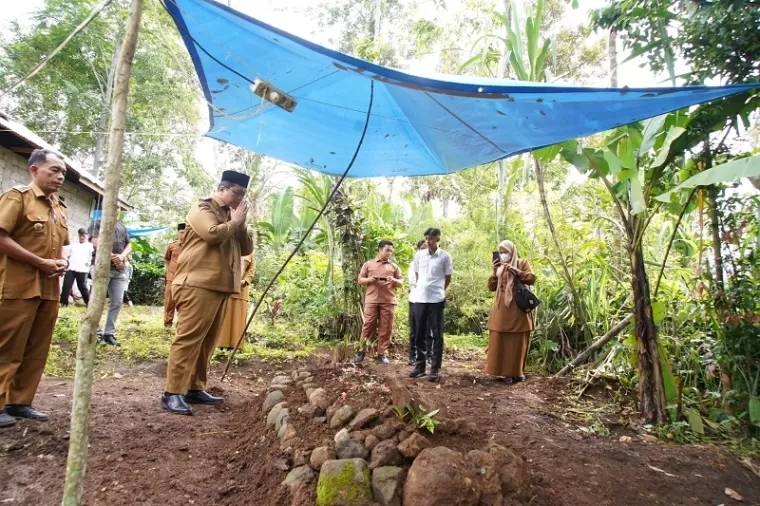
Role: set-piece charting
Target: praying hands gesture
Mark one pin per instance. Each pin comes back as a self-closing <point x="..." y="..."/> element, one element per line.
<point x="239" y="215"/>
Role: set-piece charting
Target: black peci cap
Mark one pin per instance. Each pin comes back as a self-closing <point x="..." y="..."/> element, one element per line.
<point x="235" y="177"/>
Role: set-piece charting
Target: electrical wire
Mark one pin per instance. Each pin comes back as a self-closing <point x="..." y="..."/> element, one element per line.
<point x="93" y="14"/>
<point x="308" y="231"/>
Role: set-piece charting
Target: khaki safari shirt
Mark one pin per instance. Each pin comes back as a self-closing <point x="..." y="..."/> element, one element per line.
<point x="172" y="257"/>
<point x="380" y="292"/>
<point x="212" y="248"/>
<point x="39" y="224"/>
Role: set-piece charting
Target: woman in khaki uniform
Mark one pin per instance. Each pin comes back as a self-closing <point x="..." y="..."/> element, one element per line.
<point x="237" y="308"/>
<point x="509" y="327"/>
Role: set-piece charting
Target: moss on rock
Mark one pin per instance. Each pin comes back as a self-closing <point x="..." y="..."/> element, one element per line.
<point x="344" y="483"/>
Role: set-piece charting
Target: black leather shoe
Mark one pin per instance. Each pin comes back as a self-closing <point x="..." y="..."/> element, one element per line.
<point x="417" y="373"/>
<point x="202" y="397"/>
<point x="20" y="411"/>
<point x="109" y="339"/>
<point x="174" y="403"/>
<point x="434" y="376"/>
<point x="6" y="420"/>
<point x="382" y="359"/>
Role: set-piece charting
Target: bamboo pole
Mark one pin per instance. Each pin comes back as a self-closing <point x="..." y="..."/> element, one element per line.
<point x="597" y="344"/>
<point x="76" y="465"/>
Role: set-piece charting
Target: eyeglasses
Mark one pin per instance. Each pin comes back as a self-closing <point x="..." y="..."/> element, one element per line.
<point x="238" y="193"/>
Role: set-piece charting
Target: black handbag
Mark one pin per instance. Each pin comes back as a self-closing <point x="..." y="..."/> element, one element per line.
<point x="526" y="300"/>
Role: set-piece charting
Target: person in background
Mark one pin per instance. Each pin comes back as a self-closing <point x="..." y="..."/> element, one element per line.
<point x="79" y="256"/>
<point x="237" y="307"/>
<point x="118" y="281"/>
<point x="412" y="276"/>
<point x="208" y="272"/>
<point x="33" y="231"/>
<point x="171" y="255"/>
<point x="433" y="269"/>
<point x="509" y="327"/>
<point x="128" y="270"/>
<point x="381" y="277"/>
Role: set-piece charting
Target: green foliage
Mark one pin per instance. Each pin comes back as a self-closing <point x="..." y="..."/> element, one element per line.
<point x="68" y="101"/>
<point x="143" y="339"/>
<point x="147" y="286"/>
<point x="717" y="38"/>
<point x="419" y="417"/>
<point x="277" y="231"/>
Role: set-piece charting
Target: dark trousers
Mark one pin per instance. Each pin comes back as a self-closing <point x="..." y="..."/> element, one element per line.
<point x="428" y="321"/>
<point x="413" y="334"/>
<point x="68" y="282"/>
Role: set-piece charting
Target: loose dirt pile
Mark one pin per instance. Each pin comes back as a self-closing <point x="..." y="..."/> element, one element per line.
<point x="228" y="455"/>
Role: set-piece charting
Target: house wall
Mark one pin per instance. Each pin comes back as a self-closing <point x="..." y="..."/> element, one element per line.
<point x="14" y="172"/>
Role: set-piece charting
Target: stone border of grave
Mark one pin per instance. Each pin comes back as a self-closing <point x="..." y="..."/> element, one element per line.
<point x="375" y="458"/>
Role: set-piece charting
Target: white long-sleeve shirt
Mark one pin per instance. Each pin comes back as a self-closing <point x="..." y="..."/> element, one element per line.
<point x="80" y="256"/>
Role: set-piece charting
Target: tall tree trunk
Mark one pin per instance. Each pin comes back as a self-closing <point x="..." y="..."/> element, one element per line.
<point x="612" y="56"/>
<point x="376" y="25"/>
<point x="100" y="139"/>
<point x="712" y="211"/>
<point x="576" y="302"/>
<point x="501" y="207"/>
<point x="651" y="391"/>
<point x="80" y="411"/>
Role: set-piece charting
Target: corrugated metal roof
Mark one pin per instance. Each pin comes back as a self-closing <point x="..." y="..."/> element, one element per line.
<point x="35" y="141"/>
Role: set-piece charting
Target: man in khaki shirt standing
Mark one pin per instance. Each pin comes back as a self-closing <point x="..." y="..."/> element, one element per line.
<point x="33" y="232"/>
<point x="381" y="277"/>
<point x="171" y="256"/>
<point x="208" y="271"/>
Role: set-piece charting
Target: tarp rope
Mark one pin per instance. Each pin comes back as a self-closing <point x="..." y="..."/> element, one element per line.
<point x="308" y="231"/>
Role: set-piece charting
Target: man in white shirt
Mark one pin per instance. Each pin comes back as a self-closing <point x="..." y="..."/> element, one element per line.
<point x="433" y="269"/>
<point x="79" y="257"/>
<point x="421" y="245"/>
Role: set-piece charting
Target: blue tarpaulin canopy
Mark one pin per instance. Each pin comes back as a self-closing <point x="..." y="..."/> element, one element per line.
<point x="417" y="125"/>
<point x="133" y="232"/>
<point x="140" y="232"/>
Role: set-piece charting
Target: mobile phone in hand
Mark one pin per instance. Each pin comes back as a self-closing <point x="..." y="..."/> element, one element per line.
<point x="494" y="256"/>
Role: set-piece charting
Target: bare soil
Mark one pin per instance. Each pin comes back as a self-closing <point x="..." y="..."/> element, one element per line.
<point x="225" y="455"/>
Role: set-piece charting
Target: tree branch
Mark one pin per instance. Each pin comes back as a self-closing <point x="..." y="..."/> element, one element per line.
<point x="672" y="238"/>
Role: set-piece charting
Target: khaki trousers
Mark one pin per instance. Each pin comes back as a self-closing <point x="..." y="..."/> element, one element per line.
<point x="199" y="323"/>
<point x="379" y="315"/>
<point x="169" y="305"/>
<point x="26" y="329"/>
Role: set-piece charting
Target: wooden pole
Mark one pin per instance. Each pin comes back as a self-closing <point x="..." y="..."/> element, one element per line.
<point x="80" y="410"/>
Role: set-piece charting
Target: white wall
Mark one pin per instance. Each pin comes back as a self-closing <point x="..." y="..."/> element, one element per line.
<point x="14" y="172"/>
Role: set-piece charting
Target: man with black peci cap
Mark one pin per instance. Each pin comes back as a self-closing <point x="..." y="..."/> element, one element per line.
<point x="171" y="256"/>
<point x="208" y="271"/>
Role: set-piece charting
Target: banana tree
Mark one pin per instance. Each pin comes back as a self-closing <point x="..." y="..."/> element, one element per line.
<point x="315" y="191"/>
<point x="276" y="232"/>
<point x="527" y="54"/>
<point x="644" y="168"/>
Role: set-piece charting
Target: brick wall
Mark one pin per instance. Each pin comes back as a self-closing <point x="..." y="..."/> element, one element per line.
<point x="14" y="171"/>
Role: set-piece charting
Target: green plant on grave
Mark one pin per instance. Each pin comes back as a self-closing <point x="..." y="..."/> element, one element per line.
<point x="364" y="344"/>
<point x="417" y="417"/>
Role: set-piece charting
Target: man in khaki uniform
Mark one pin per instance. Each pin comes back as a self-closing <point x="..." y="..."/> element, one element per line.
<point x="33" y="231"/>
<point x="208" y="271"/>
<point x="382" y="278"/>
<point x="171" y="256"/>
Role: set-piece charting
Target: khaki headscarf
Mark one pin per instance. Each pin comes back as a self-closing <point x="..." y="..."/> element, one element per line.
<point x="504" y="275"/>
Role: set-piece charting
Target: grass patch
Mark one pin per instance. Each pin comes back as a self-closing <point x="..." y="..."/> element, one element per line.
<point x="142" y="337"/>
